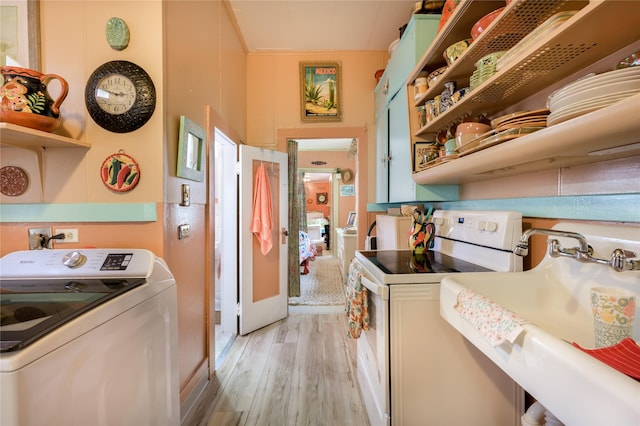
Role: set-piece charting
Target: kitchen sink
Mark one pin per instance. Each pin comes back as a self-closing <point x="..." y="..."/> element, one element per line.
<point x="554" y="300"/>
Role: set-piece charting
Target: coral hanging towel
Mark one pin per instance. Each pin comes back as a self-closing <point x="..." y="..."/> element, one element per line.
<point x="262" y="217"/>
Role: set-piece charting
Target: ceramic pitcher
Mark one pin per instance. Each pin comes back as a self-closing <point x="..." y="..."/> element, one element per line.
<point x="421" y="232"/>
<point x="25" y="101"/>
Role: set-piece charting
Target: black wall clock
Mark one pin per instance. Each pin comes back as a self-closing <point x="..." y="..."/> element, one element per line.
<point x="322" y="198"/>
<point x="120" y="96"/>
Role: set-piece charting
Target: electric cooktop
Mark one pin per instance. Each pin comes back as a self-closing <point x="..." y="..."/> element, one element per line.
<point x="405" y="262"/>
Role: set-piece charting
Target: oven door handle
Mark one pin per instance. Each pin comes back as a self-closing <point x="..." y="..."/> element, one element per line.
<point x="381" y="290"/>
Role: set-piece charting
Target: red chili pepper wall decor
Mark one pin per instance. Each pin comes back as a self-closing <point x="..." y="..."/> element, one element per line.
<point x="120" y="172"/>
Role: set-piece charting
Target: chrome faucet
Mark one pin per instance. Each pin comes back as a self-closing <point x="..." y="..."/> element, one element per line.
<point x="522" y="248"/>
<point x="621" y="260"/>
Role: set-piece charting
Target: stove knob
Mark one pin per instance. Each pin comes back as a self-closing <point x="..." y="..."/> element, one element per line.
<point x="481" y="225"/>
<point x="438" y="221"/>
<point x="492" y="226"/>
<point x="73" y="259"/>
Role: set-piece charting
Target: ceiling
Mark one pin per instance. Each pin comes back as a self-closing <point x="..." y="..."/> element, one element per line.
<point x="320" y="25"/>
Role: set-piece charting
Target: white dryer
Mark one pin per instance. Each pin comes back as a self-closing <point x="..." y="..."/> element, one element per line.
<point x="88" y="337"/>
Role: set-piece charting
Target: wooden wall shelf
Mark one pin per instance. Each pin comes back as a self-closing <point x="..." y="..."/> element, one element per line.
<point x="24" y="137"/>
<point x="581" y="41"/>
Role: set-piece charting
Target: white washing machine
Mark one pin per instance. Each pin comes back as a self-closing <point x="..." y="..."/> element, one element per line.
<point x="88" y="337"/>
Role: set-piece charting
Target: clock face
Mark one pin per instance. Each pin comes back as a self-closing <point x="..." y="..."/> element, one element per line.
<point x="120" y="96"/>
<point x="115" y="94"/>
<point x="321" y="198"/>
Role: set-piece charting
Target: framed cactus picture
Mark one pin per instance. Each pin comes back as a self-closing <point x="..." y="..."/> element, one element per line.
<point x="320" y="91"/>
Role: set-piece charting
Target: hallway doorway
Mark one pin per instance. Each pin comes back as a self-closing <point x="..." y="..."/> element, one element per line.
<point x="360" y="172"/>
<point x="328" y="195"/>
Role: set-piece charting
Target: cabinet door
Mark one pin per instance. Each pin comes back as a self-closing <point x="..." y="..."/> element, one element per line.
<point x="401" y="185"/>
<point x="382" y="155"/>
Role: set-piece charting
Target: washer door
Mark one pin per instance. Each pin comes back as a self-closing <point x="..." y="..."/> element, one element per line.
<point x="30" y="309"/>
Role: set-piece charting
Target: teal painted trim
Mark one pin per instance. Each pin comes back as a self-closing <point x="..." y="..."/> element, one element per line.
<point x="437" y="192"/>
<point x="607" y="207"/>
<point x="378" y="208"/>
<point x="89" y="212"/>
<point x="382" y="208"/>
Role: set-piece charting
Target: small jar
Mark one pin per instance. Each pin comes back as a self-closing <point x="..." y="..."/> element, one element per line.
<point x="422" y="115"/>
<point x="429" y="110"/>
<point x="420" y="84"/>
<point x="437" y="105"/>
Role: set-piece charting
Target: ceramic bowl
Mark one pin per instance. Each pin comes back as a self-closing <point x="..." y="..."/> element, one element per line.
<point x="435" y="76"/>
<point x="456" y="50"/>
<point x="471" y="127"/>
<point x="450" y="147"/>
<point x="466" y="132"/>
<point x="484" y="22"/>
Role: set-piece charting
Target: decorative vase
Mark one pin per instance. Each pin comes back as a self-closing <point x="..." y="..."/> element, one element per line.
<point x="421" y="233"/>
<point x="25" y="101"/>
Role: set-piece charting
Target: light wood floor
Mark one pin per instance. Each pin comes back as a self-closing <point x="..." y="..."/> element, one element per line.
<point x="298" y="371"/>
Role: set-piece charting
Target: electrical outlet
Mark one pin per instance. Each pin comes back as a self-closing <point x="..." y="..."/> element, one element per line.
<point x="70" y="235"/>
<point x="37" y="236"/>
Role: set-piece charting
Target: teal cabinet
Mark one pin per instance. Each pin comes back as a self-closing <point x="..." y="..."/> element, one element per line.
<point x="382" y="157"/>
<point x="394" y="182"/>
<point x="415" y="40"/>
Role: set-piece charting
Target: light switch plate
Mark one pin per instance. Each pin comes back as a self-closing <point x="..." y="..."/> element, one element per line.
<point x="184" y="231"/>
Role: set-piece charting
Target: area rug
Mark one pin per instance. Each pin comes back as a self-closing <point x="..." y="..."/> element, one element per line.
<point x="322" y="285"/>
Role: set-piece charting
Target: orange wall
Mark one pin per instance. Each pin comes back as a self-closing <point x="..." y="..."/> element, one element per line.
<point x="205" y="81"/>
<point x="273" y="98"/>
<point x="312" y="189"/>
<point x="333" y="160"/>
<point x="189" y="73"/>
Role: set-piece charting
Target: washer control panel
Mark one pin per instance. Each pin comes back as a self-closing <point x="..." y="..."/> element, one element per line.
<point x="83" y="263"/>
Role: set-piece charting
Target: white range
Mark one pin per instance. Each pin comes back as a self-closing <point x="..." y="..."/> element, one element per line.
<point x="415" y="368"/>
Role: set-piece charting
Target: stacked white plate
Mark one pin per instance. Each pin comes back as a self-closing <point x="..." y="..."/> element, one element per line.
<point x="592" y="93"/>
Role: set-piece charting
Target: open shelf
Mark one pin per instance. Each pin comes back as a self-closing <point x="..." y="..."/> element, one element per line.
<point x="24" y="137"/>
<point x="513" y="24"/>
<point x="581" y="41"/>
<point x="609" y="133"/>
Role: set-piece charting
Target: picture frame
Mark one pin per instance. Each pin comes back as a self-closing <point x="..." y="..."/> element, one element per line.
<point x="191" y="151"/>
<point x="320" y="91"/>
<point x="20" y="39"/>
<point x="351" y="220"/>
<point x="347" y="190"/>
<point x="423" y="153"/>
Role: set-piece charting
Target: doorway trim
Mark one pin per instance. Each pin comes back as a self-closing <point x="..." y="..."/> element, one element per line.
<point x="361" y="136"/>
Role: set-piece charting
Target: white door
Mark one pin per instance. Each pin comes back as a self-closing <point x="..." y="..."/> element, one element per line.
<point x="263" y="278"/>
<point x="226" y="225"/>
